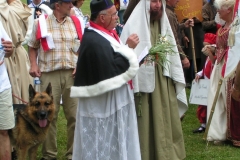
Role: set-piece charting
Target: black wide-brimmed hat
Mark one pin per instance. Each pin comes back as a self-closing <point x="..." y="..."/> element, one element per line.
<point x="97" y="6"/>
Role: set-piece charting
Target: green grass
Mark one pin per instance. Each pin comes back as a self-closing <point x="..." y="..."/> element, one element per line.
<point x="86" y="7"/>
<point x="196" y="147"/>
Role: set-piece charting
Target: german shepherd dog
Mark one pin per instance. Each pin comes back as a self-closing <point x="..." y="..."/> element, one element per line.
<point x="32" y="123"/>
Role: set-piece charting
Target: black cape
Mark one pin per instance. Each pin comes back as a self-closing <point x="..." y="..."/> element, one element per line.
<point x="100" y="68"/>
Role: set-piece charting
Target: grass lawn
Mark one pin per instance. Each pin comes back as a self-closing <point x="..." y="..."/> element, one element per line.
<point x="196" y="147"/>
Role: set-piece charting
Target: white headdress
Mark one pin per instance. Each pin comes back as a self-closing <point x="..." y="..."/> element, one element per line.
<point x="139" y="23"/>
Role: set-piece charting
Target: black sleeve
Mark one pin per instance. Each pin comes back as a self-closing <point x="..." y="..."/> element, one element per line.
<point x="97" y="61"/>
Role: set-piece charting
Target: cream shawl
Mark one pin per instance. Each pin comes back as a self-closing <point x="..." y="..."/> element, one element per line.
<point x="139" y="23"/>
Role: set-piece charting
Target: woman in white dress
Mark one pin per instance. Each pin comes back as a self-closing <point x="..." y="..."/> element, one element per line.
<point x="219" y="124"/>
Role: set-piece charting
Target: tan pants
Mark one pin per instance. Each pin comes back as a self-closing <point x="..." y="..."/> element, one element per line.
<point x="61" y="81"/>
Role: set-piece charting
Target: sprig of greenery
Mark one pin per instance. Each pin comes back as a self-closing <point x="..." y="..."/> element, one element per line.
<point x="159" y="51"/>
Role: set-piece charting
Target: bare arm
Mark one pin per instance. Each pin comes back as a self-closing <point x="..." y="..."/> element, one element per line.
<point x="34" y="69"/>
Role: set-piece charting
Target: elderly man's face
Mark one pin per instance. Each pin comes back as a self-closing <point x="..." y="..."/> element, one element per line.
<point x="156" y="9"/>
<point x="110" y="19"/>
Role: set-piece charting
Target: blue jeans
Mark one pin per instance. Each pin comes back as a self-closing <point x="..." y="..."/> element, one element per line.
<point x="120" y="15"/>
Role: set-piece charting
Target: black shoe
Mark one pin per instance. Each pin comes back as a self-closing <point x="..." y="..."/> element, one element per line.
<point x="199" y="130"/>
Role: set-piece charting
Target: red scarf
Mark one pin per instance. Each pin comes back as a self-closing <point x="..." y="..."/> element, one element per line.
<point x="46" y="44"/>
<point x="112" y="33"/>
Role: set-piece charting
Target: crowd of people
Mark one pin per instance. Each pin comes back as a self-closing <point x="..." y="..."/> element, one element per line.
<point x="118" y="103"/>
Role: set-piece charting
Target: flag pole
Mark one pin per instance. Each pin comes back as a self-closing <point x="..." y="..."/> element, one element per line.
<point x="212" y="109"/>
<point x="193" y="50"/>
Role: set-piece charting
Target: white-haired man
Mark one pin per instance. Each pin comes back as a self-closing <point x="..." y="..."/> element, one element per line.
<point x="106" y="125"/>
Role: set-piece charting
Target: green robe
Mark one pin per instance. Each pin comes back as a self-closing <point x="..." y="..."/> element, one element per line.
<point x="159" y="127"/>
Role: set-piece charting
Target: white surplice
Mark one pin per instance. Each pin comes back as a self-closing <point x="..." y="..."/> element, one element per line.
<point x="106" y="126"/>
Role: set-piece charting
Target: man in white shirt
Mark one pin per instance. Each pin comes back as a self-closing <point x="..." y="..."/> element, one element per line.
<point x="6" y="110"/>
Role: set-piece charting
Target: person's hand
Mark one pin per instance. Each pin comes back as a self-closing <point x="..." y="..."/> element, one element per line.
<point x="132" y="41"/>
<point x="212" y="48"/>
<point x="197" y="78"/>
<point x="210" y="54"/>
<point x="87" y="16"/>
<point x="185" y="63"/>
<point x="185" y="41"/>
<point x="235" y="94"/>
<point x="189" y="23"/>
<point x="205" y="51"/>
<point x="35" y="71"/>
<point x="8" y="47"/>
<point x="74" y="73"/>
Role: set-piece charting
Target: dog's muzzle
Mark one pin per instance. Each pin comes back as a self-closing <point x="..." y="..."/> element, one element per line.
<point x="42" y="118"/>
<point x="42" y="115"/>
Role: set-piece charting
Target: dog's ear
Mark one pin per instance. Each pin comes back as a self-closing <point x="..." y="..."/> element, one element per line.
<point x="32" y="92"/>
<point x="49" y="89"/>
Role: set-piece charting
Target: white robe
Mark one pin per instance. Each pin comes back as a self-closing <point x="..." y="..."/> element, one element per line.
<point x="106" y="127"/>
<point x="106" y="122"/>
<point x="218" y="128"/>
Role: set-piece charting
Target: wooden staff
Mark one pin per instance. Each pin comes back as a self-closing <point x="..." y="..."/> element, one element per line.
<point x="212" y="109"/>
<point x="193" y="50"/>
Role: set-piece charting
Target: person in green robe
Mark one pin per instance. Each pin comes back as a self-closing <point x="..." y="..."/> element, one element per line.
<point x="160" y="96"/>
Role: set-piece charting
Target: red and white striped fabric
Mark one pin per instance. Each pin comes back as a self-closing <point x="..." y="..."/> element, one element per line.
<point x="42" y="34"/>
